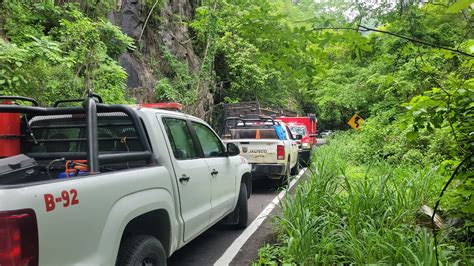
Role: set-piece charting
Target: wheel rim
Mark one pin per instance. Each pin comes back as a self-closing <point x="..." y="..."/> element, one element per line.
<point x="148" y="262"/>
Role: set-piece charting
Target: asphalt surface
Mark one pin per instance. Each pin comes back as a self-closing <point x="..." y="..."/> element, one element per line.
<point x="320" y="142"/>
<point x="209" y="247"/>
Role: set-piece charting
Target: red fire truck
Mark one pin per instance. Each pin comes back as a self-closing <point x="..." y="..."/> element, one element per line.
<point x="306" y="127"/>
<point x="309" y="121"/>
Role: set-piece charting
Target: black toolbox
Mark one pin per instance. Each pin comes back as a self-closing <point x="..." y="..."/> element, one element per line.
<point x="17" y="169"/>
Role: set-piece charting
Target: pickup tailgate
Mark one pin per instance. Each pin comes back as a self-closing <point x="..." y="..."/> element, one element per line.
<point x="80" y="219"/>
<point x="257" y="150"/>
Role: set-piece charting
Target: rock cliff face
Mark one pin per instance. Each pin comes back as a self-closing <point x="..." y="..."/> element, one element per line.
<point x="155" y="26"/>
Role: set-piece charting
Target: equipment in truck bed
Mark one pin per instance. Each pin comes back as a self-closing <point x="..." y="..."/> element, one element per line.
<point x="51" y="135"/>
<point x="248" y="111"/>
<point x="16" y="168"/>
<point x="10" y="130"/>
<point x="242" y="122"/>
<point x="253" y="128"/>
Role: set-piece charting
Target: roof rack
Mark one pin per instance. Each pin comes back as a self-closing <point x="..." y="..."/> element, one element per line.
<point x="90" y="108"/>
<point x="21" y="98"/>
<point x="253" y="119"/>
<point x="250" y="120"/>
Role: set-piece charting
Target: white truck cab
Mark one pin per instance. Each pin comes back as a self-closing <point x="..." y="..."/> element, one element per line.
<point x="110" y="184"/>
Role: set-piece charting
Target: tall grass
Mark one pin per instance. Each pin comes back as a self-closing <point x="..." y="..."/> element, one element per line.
<point x="364" y="214"/>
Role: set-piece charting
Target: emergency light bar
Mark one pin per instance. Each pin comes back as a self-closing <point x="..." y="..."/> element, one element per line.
<point x="172" y="106"/>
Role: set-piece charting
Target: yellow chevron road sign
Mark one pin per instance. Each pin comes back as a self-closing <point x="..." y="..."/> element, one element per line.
<point x="356" y="121"/>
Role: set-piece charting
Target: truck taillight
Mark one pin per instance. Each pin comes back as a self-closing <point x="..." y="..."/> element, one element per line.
<point x="18" y="238"/>
<point x="280" y="152"/>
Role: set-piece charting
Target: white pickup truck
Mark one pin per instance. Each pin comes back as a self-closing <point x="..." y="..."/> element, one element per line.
<point x="267" y="145"/>
<point x="113" y="185"/>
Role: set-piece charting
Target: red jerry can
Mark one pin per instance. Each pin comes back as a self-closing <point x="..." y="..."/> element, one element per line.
<point x="9" y="133"/>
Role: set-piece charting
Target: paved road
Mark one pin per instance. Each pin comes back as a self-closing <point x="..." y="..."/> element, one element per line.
<point x="207" y="248"/>
<point x="320" y="141"/>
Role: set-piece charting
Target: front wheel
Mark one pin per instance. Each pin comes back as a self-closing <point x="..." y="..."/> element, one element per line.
<point x="142" y="250"/>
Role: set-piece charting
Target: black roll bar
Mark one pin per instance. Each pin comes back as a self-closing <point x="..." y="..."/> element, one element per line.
<point x="234" y="118"/>
<point x="90" y="108"/>
<point x="260" y="118"/>
<point x="34" y="110"/>
<point x="224" y="127"/>
<point x="135" y="120"/>
<point x="31" y="100"/>
<point x="265" y="118"/>
<point x="91" y="135"/>
<point x="58" y="102"/>
<point x="120" y="158"/>
<point x="103" y="158"/>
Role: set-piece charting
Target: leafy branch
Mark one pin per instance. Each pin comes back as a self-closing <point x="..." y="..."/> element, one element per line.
<point x="468" y="157"/>
<point x="434" y="80"/>
<point x="365" y="29"/>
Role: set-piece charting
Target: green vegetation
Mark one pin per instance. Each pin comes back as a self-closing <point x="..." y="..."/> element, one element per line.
<point x="178" y="89"/>
<point x="405" y="66"/>
<point x="348" y="212"/>
<point x="407" y="70"/>
<point x="258" y="53"/>
<point x="56" y="52"/>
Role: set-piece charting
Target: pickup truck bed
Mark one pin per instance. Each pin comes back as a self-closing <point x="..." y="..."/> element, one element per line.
<point x="166" y="176"/>
<point x="262" y="156"/>
<point x="268" y="147"/>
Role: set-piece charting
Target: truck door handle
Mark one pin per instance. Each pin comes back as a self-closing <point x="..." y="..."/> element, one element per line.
<point x="184" y="179"/>
<point x="214" y="172"/>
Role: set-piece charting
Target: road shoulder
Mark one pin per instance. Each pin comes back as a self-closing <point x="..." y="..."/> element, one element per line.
<point x="265" y="234"/>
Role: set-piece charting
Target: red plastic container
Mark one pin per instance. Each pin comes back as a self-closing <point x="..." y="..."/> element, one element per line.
<point x="9" y="133"/>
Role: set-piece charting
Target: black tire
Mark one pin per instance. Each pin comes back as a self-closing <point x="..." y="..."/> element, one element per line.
<point x="141" y="250"/>
<point x="242" y="207"/>
<point x="296" y="169"/>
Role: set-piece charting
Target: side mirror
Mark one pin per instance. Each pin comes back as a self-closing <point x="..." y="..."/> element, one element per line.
<point x="298" y="137"/>
<point x="232" y="149"/>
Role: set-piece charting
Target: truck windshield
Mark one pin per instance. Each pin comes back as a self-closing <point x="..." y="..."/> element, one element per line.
<point x="298" y="130"/>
